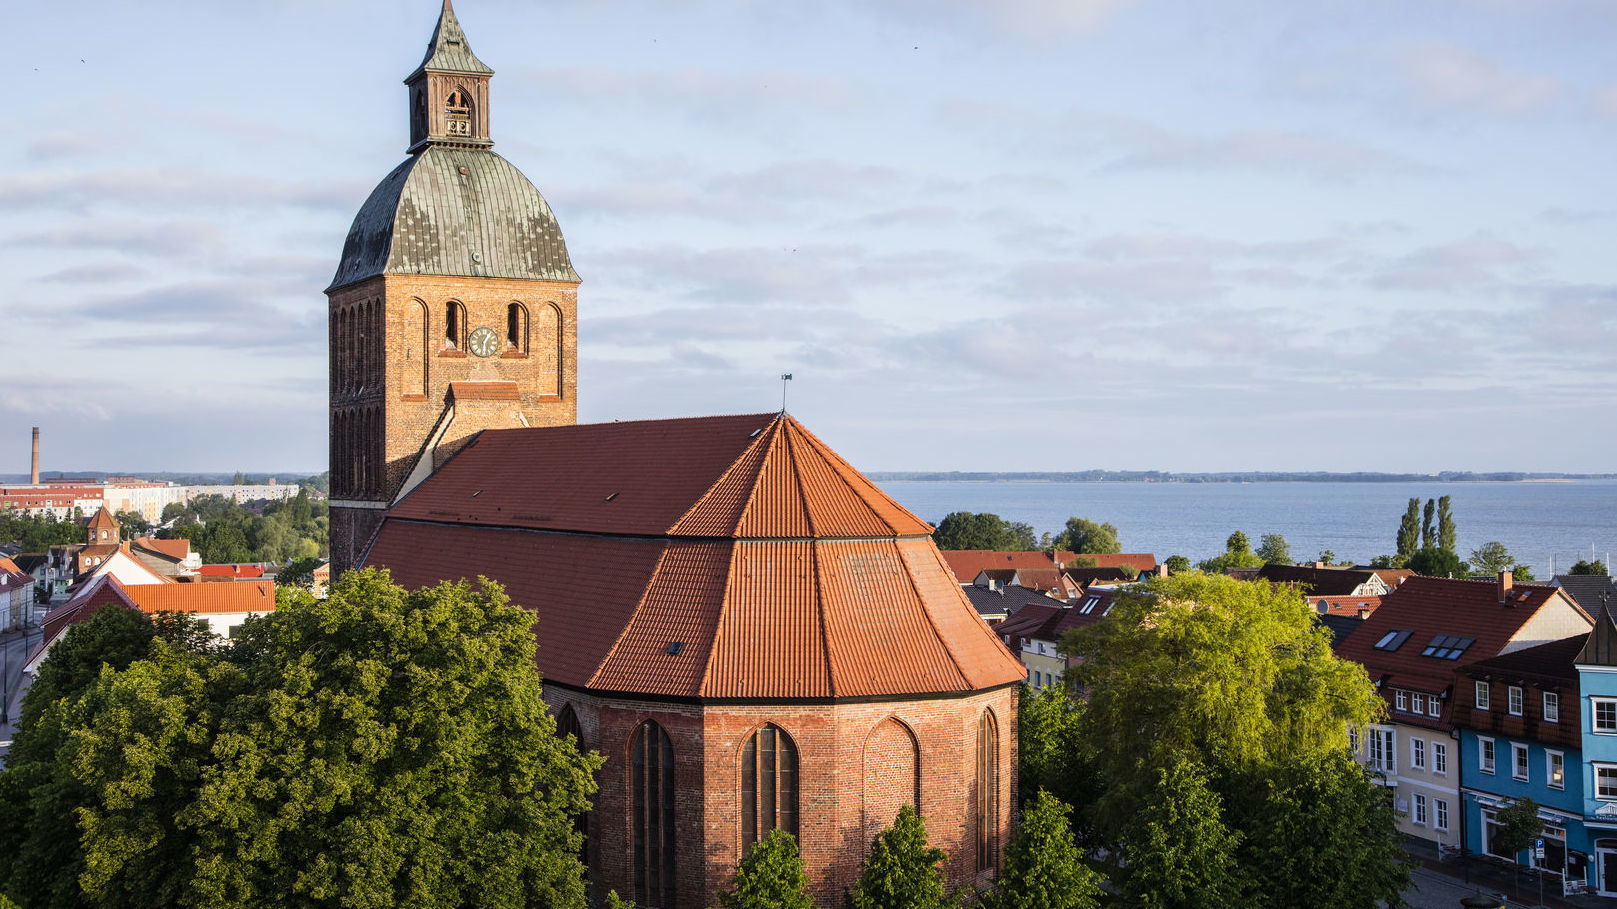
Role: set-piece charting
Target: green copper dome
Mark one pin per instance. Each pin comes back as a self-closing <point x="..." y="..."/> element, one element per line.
<point x="455" y="211"/>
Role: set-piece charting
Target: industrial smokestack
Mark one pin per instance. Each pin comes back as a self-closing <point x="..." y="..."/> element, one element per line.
<point x="33" y="469"/>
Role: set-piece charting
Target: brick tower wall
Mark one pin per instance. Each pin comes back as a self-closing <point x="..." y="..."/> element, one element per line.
<point x="839" y="745"/>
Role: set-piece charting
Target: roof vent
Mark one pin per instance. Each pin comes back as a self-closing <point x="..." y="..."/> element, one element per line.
<point x="755" y="432"/>
<point x="674" y="647"/>
<point x="611" y="497"/>
<point x="477" y="493"/>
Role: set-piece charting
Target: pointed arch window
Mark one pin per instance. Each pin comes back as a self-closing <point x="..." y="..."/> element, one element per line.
<point x="987" y="801"/>
<point x="567" y="725"/>
<point x="651" y="759"/>
<point x="768" y="784"/>
<point x="454" y="325"/>
<point x="458" y="112"/>
<point x="516" y="327"/>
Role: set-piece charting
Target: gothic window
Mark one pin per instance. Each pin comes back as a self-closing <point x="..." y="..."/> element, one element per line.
<point x="987" y="802"/>
<point x="652" y="813"/>
<point x="458" y="113"/>
<point x="547" y="347"/>
<point x="768" y="784"/>
<point x="567" y="725"/>
<point x="454" y="325"/>
<point x="516" y="327"/>
<point x="418" y="113"/>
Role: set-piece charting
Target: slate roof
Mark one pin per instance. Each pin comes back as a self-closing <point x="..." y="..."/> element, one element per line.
<point x="776" y="568"/>
<point x="1587" y="589"/>
<point x="448" y="51"/>
<point x="428" y="218"/>
<point x="1600" y="649"/>
<point x="1433" y="608"/>
<point x="1320" y="581"/>
<point x="1340" y="626"/>
<point x="1005" y="599"/>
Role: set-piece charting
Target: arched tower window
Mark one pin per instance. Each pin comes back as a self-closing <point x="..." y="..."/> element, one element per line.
<point x="652" y="812"/>
<point x="987" y="801"/>
<point x="458" y="113"/>
<point x="516" y="327"/>
<point x="454" y="325"/>
<point x="768" y="784"/>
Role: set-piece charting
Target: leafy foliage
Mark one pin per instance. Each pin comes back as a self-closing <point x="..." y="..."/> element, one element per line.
<point x="37" y="533"/>
<point x="1447" y="535"/>
<point x="770" y="876"/>
<point x="377" y="748"/>
<point x="222" y="531"/>
<point x="1085" y="536"/>
<point x="902" y="870"/>
<point x="1437" y="563"/>
<point x="968" y="530"/>
<point x="1492" y="557"/>
<point x="1237" y="554"/>
<point x="1177" y="564"/>
<point x="1519" y="826"/>
<point x="1181" y="855"/>
<point x="1409" y="531"/>
<point x="1274" y="550"/>
<point x="1042" y="864"/>
<point x="298" y="573"/>
<point x="1595" y="567"/>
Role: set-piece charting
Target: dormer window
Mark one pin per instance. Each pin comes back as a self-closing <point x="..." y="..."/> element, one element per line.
<point x="458" y="113"/>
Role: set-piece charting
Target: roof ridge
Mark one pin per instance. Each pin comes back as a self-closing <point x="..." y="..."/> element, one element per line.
<point x="639" y="603"/>
<point x="796" y="473"/>
<point x="844" y="471"/>
<point x="727" y="473"/>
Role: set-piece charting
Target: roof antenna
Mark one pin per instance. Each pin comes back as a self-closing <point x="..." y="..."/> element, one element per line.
<point x="784" y="378"/>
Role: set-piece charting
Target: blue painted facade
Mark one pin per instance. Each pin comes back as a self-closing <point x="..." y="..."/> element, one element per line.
<point x="1598" y="683"/>
<point x="1561" y="809"/>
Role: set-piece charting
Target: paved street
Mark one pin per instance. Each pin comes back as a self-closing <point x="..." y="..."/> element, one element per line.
<point x="14" y="649"/>
<point x="1432" y="890"/>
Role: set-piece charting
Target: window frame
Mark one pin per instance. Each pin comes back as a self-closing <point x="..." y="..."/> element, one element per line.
<point x="779" y="794"/>
<point x="1487" y="756"/>
<point x="1483" y="697"/>
<point x="1417" y="753"/>
<point x="1594" y="716"/>
<point x="1611" y="770"/>
<point x="1434" y="705"/>
<point x="1400" y="700"/>
<point x="1383" y="751"/>
<point x="1521" y="762"/>
<point x="1550" y="706"/>
<point x="1554" y="768"/>
<point x="1420" y="816"/>
<point x="1440" y="814"/>
<point x="1515" y="700"/>
<point x="1440" y="758"/>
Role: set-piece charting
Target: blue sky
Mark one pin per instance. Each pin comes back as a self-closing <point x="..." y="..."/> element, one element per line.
<point x="982" y="234"/>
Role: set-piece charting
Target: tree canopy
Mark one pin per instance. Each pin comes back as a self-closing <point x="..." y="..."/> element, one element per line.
<point x="1082" y="535"/>
<point x="902" y="869"/>
<point x="222" y="531"/>
<point x="1409" y="530"/>
<point x="968" y="530"/>
<point x="1492" y="557"/>
<point x="1595" y="567"/>
<point x="377" y="748"/>
<point x="770" y="876"/>
<point x="1237" y="554"/>
<point x="1274" y="550"/>
<point x="1042" y="865"/>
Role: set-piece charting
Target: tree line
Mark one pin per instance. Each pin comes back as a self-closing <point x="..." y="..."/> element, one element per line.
<point x="222" y="531"/>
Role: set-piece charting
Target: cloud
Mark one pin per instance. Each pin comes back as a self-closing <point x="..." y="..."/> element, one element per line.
<point x="1446" y="75"/>
<point x="1605" y="100"/>
<point x="60" y="144"/>
<point x="1477" y="262"/>
<point x="94" y="273"/>
<point x="697" y="95"/>
<point x="1037" y="21"/>
<point x="1316" y="155"/>
<point x="153" y="238"/>
<point x="174" y="188"/>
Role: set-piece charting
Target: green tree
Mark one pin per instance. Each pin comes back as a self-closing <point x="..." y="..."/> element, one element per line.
<point x="1274" y="550"/>
<point x="1409" y="532"/>
<point x="1319" y="832"/>
<point x="1492" y="557"/>
<point x="1042" y="864"/>
<point x="171" y="511"/>
<point x="1595" y="567"/>
<point x="1327" y="557"/>
<point x="1519" y="826"/>
<point x="1180" y="853"/>
<point x="770" y="876"/>
<point x="902" y="871"/>
<point x="1177" y="564"/>
<point x="1428" y="531"/>
<point x="1205" y="668"/>
<point x="967" y="530"/>
<point x="1447" y="535"/>
<point x="298" y="573"/>
<point x="1237" y="554"/>
<point x="1437" y="563"/>
<point x="131" y="525"/>
<point x="1047" y="749"/>
<point x="1082" y="535"/>
<point x="377" y="748"/>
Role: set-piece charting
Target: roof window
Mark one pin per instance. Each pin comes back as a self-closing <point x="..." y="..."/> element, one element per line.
<point x="1393" y="640"/>
<point x="1447" y="647"/>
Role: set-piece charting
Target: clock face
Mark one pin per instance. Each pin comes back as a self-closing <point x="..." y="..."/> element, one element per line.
<point x="483" y="342"/>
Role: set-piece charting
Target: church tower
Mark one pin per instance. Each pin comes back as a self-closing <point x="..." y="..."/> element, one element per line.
<point x="454" y="308"/>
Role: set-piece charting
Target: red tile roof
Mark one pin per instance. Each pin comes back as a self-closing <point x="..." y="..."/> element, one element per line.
<point x="231" y="571"/>
<point x="776" y="568"/>
<point x="968" y="563"/>
<point x="248" y="596"/>
<point x="1337" y="605"/>
<point x="1428" y="607"/>
<point x="1141" y="562"/>
<point x="176" y="550"/>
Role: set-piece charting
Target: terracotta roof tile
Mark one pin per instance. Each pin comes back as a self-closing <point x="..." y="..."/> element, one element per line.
<point x="771" y="640"/>
<point x="676" y="610"/>
<point x="176" y="550"/>
<point x="248" y="596"/>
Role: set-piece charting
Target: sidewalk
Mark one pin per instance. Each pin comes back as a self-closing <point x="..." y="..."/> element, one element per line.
<point x="1489" y="877"/>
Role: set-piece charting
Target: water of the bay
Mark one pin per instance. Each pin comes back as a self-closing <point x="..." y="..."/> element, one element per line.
<point x="1357" y="521"/>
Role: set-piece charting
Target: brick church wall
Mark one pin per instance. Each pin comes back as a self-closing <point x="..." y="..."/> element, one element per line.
<point x="838" y="786"/>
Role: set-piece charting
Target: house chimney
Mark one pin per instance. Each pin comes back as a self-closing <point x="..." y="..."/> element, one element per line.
<point x="1363" y="613"/>
<point x="1319" y="564"/>
<point x="33" y="469"/>
<point x="1504" y="586"/>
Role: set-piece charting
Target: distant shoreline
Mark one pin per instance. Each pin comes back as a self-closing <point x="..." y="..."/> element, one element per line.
<point x="1153" y="476"/>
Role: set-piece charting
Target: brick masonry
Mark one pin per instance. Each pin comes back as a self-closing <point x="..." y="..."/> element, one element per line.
<point x="392" y="359"/>
<point x="857" y="764"/>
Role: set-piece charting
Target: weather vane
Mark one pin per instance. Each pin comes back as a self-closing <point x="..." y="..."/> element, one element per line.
<point x="784" y="378"/>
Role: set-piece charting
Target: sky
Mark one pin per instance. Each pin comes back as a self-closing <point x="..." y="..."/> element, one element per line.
<point x="980" y="234"/>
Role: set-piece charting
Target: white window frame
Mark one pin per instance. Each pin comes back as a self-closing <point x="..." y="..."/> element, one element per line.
<point x="1483" y="700"/>
<point x="1554" y="766"/>
<point x="1440" y="758"/>
<point x="1383" y="752"/>
<point x="1611" y="795"/>
<point x="1520" y="762"/>
<point x="1594" y="716"/>
<point x="1516" y="700"/>
<point x="1353" y="740"/>
<point x="1400" y="699"/>
<point x="1552" y="707"/>
<point x="1420" y="810"/>
<point x="1440" y="814"/>
<point x="1485" y="754"/>
<point x="1434" y="707"/>
<point x="1417" y="753"/>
